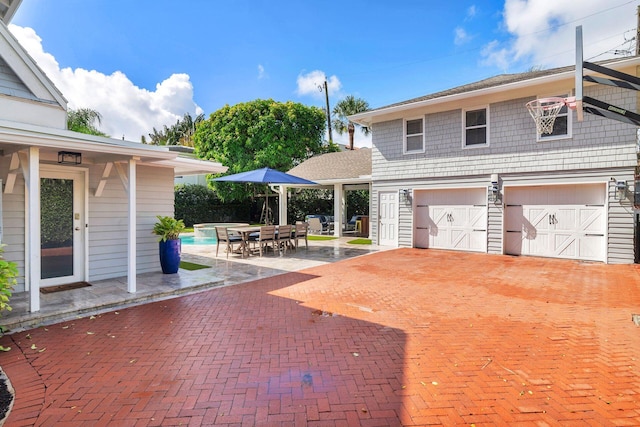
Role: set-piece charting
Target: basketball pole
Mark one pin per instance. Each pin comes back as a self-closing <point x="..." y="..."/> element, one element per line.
<point x="579" y="73"/>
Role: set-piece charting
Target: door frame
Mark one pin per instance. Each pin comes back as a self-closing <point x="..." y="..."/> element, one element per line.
<point x="81" y="244"/>
<point x="396" y="220"/>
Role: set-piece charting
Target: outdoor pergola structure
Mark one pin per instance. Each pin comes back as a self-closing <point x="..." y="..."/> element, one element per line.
<point x="341" y="171"/>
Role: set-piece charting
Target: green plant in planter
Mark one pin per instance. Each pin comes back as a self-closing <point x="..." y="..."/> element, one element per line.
<point x="8" y="274"/>
<point x="168" y="228"/>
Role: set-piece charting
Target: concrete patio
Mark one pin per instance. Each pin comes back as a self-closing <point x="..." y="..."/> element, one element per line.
<point x="111" y="294"/>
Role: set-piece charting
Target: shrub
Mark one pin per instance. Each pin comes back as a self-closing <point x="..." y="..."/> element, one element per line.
<point x="8" y="274"/>
<point x="196" y="204"/>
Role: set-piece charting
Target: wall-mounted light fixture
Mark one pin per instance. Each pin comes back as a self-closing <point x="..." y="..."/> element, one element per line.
<point x="494" y="188"/>
<point x="621" y="190"/>
<point x="69" y="158"/>
<point x="405" y="194"/>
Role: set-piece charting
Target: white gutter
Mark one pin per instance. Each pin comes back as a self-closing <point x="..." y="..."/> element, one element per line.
<point x="38" y="136"/>
<point x="187" y="166"/>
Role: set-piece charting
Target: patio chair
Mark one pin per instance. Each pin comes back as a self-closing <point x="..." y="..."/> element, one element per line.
<point x="315" y="226"/>
<point x="284" y="237"/>
<point x="267" y="238"/>
<point x="223" y="236"/>
<point x="301" y="233"/>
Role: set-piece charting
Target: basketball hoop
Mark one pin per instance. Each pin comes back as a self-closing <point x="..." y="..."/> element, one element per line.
<point x="544" y="112"/>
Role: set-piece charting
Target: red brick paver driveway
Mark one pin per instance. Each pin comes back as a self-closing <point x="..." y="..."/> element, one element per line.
<point x="405" y="337"/>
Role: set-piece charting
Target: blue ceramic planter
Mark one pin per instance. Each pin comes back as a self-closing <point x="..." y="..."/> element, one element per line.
<point x="170" y="256"/>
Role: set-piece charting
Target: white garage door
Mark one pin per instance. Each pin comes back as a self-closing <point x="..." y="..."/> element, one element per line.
<point x="564" y="221"/>
<point x="451" y="219"/>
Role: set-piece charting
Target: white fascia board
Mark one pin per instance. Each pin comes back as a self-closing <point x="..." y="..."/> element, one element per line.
<point x="367" y="118"/>
<point x="13" y="6"/>
<point x="37" y="136"/>
<point x="185" y="166"/>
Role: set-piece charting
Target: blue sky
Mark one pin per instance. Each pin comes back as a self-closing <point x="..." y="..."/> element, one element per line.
<point x="144" y="63"/>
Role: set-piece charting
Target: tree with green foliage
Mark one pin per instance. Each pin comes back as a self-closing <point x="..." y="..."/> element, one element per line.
<point x="84" y="120"/>
<point x="257" y="134"/>
<point x="347" y="107"/>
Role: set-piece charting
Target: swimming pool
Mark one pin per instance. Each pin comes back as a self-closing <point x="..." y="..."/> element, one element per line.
<point x="209" y="229"/>
<point x="193" y="240"/>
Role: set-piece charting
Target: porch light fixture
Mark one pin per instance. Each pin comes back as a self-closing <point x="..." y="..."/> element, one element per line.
<point x="69" y="158"/>
<point x="405" y="194"/>
<point x="621" y="190"/>
<point x="494" y="188"/>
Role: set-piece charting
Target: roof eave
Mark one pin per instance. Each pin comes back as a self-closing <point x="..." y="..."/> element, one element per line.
<point x="370" y="117"/>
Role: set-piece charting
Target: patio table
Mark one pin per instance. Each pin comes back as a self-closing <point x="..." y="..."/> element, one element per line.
<point x="245" y="231"/>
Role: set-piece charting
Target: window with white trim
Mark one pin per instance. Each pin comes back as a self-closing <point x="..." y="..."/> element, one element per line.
<point x="561" y="127"/>
<point x="476" y="127"/>
<point x="414" y="135"/>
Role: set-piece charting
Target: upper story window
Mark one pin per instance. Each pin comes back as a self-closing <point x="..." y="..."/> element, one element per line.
<point x="561" y="127"/>
<point x="476" y="127"/>
<point x="414" y="136"/>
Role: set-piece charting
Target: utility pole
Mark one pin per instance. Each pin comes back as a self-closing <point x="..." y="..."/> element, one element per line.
<point x="326" y="94"/>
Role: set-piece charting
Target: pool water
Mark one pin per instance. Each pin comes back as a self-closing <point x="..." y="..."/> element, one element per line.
<point x="192" y="240"/>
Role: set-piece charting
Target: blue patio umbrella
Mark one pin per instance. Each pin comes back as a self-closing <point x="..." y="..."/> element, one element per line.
<point x="265" y="176"/>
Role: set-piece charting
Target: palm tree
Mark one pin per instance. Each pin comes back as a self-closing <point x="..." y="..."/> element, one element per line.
<point x="347" y="107"/>
<point x="187" y="128"/>
<point x="84" y="120"/>
<point x="181" y="133"/>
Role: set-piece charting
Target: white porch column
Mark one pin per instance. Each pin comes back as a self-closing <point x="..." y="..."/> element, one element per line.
<point x="132" y="228"/>
<point x="338" y="209"/>
<point x="283" y="204"/>
<point x="31" y="171"/>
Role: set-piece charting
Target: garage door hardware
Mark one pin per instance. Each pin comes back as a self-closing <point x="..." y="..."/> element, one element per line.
<point x="552" y="219"/>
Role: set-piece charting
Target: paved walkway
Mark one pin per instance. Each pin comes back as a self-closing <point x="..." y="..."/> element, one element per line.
<point x="403" y="337"/>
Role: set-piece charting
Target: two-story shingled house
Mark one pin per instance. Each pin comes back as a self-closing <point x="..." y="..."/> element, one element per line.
<point x="74" y="207"/>
<point x="465" y="169"/>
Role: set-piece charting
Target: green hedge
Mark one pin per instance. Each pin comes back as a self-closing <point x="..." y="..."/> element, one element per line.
<point x="196" y="204"/>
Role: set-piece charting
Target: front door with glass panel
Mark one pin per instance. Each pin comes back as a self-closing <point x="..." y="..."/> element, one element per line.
<point x="62" y="226"/>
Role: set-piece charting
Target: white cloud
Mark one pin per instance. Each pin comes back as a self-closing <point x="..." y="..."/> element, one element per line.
<point x="542" y="33"/>
<point x="461" y="36"/>
<point x="471" y="12"/>
<point x="310" y="84"/>
<point x="261" y="73"/>
<point x="127" y="110"/>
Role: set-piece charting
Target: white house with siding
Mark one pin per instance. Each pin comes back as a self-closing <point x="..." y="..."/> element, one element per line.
<point x="569" y="194"/>
<point x="74" y="207"/>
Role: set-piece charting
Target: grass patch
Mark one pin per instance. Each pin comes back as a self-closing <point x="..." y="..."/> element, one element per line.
<point x="314" y="237"/>
<point x="192" y="266"/>
<point x="360" y="241"/>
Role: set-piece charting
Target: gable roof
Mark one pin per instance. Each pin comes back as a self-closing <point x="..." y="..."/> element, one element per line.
<point x="8" y="9"/>
<point x="27" y="71"/>
<point x="346" y="166"/>
<point x="498" y="87"/>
